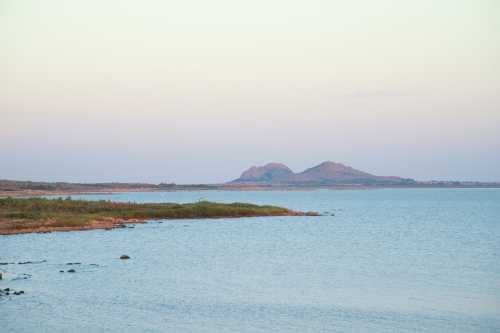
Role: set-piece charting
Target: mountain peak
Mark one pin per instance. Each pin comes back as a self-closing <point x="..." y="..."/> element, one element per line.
<point x="267" y="173"/>
<point x="330" y="164"/>
<point x="274" y="165"/>
<point x="332" y="171"/>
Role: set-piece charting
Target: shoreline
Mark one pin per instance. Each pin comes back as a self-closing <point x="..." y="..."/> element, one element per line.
<point x="30" y="193"/>
<point x="40" y="215"/>
<point x="113" y="223"/>
<point x="106" y="224"/>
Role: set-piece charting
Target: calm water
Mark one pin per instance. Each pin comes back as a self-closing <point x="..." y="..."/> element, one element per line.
<point x="388" y="261"/>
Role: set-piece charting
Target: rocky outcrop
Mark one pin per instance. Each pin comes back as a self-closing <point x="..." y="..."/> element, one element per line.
<point x="271" y="172"/>
<point x="326" y="173"/>
<point x="9" y="291"/>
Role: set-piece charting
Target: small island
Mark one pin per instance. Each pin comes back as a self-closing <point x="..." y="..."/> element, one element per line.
<point x="46" y="215"/>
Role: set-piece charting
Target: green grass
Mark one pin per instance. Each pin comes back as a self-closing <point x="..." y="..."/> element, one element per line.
<point x="67" y="212"/>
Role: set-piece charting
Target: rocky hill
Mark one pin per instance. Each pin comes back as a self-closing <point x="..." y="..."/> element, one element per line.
<point x="271" y="172"/>
<point x="326" y="173"/>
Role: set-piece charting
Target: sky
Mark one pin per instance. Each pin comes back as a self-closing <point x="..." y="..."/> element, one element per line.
<point x="197" y="91"/>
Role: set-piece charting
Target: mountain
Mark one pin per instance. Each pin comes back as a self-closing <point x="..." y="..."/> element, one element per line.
<point x="326" y="173"/>
<point x="271" y="172"/>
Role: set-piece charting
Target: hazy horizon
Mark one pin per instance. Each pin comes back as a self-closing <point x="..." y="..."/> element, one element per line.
<point x="197" y="92"/>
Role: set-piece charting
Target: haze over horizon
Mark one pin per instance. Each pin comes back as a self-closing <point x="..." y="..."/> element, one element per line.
<point x="197" y="92"/>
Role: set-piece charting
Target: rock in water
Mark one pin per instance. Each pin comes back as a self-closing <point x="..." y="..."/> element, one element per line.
<point x="71" y="271"/>
<point x="124" y="256"/>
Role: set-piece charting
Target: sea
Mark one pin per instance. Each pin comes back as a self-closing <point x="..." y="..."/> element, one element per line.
<point x="382" y="260"/>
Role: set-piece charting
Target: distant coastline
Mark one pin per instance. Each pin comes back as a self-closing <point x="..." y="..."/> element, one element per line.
<point x="13" y="188"/>
<point x="269" y="177"/>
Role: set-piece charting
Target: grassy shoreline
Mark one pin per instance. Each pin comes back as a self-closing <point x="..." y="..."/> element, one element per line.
<point x="46" y="215"/>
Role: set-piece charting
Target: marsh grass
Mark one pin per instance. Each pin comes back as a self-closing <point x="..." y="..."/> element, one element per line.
<point x="54" y="213"/>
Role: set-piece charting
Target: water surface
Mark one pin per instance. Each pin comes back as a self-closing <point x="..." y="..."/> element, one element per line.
<point x="392" y="260"/>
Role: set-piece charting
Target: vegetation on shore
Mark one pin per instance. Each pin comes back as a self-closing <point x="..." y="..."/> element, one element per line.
<point x="14" y="188"/>
<point x="41" y="215"/>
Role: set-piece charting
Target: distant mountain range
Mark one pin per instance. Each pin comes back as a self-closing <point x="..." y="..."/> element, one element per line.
<point x="273" y="175"/>
<point x="326" y="173"/>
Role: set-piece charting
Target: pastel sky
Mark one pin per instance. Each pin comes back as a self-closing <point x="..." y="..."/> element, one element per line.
<point x="197" y="91"/>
